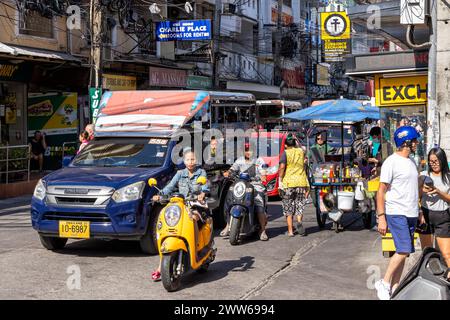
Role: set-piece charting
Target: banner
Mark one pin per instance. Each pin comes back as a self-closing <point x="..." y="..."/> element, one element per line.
<point x="56" y="116"/>
<point x="186" y="30"/>
<point x="95" y="95"/>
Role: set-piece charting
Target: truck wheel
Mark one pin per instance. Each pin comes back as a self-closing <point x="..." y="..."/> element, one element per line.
<point x="53" y="243"/>
<point x="171" y="281"/>
<point x="235" y="231"/>
<point x="148" y="242"/>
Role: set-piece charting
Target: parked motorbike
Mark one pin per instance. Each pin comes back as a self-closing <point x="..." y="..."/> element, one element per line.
<point x="427" y="280"/>
<point x="182" y="245"/>
<point x="241" y="209"/>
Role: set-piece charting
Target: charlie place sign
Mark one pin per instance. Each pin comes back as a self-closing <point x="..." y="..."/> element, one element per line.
<point x="164" y="77"/>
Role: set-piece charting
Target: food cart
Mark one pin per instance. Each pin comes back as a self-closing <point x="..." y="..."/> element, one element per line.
<point x="335" y="175"/>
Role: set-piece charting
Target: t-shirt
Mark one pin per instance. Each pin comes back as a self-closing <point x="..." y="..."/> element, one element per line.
<point x="435" y="202"/>
<point x="402" y="197"/>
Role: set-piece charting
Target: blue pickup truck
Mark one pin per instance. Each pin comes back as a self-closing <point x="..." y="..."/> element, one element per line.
<point x="103" y="193"/>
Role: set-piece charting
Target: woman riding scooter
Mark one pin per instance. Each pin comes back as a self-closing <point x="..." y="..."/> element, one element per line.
<point x="185" y="182"/>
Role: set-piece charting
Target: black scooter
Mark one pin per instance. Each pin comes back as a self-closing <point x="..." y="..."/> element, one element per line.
<point x="241" y="209"/>
<point x="427" y="280"/>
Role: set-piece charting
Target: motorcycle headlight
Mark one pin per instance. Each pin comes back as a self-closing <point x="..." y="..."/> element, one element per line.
<point x="273" y="170"/>
<point x="172" y="215"/>
<point x="39" y="191"/>
<point x="129" y="193"/>
<point x="239" y="190"/>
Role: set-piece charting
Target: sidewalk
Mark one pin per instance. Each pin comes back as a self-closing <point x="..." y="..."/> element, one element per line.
<point x="12" y="203"/>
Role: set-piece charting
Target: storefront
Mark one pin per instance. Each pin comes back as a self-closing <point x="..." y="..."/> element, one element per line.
<point x="13" y="92"/>
<point x="401" y="91"/>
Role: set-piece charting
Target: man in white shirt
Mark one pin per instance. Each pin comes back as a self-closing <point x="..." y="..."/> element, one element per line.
<point x="398" y="206"/>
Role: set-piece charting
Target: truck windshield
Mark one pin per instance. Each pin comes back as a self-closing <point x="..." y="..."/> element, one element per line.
<point x="123" y="153"/>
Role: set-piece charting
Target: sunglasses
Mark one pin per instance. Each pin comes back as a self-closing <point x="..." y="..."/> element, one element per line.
<point x="435" y="163"/>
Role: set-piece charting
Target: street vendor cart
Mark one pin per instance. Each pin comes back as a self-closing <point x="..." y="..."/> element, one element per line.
<point x="336" y="175"/>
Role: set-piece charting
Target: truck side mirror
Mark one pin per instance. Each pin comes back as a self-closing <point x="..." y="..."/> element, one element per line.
<point x="201" y="180"/>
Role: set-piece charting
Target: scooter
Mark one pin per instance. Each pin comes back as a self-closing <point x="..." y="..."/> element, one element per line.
<point x="182" y="245"/>
<point x="241" y="209"/>
<point x="427" y="280"/>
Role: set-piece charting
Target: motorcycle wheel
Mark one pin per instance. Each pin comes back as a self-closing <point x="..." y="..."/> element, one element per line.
<point x="235" y="231"/>
<point x="170" y="281"/>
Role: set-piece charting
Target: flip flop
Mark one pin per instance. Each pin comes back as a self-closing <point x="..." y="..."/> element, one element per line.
<point x="289" y="234"/>
<point x="156" y="276"/>
<point x="224" y="233"/>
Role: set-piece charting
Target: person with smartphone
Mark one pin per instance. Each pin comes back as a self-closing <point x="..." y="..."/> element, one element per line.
<point x="434" y="188"/>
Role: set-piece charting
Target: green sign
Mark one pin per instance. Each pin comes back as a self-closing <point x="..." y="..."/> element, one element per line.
<point x="95" y="95"/>
<point x="198" y="82"/>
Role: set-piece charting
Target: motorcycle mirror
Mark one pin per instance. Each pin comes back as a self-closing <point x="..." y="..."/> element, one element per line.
<point x="152" y="182"/>
<point x="201" y="180"/>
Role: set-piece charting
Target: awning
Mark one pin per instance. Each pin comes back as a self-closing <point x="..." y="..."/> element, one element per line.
<point x="256" y="88"/>
<point x="23" y="52"/>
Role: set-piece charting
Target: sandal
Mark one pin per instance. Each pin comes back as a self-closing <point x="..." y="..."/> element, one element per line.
<point x="225" y="233"/>
<point x="289" y="234"/>
<point x="156" y="276"/>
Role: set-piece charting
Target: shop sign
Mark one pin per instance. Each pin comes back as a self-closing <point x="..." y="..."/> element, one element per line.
<point x="323" y="75"/>
<point x="294" y="78"/>
<point x="335" y="25"/>
<point x="114" y="82"/>
<point x="164" y="77"/>
<point x="95" y="96"/>
<point x="198" y="82"/>
<point x="13" y="72"/>
<point x="401" y="91"/>
<point x="186" y="30"/>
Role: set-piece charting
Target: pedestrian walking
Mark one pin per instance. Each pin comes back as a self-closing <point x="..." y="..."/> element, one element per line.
<point x="293" y="185"/>
<point x="397" y="206"/>
<point x="435" y="199"/>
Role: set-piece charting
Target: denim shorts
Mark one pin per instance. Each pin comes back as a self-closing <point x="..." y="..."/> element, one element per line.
<point x="402" y="229"/>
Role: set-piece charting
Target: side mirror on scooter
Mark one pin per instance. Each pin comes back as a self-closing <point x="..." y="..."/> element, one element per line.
<point x="201" y="180"/>
<point x="152" y="182"/>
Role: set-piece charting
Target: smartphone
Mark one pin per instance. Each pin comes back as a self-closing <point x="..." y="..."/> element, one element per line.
<point x="428" y="182"/>
<point x="423" y="227"/>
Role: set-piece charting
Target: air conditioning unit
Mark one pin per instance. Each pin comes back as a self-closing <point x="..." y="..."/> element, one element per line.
<point x="229" y="8"/>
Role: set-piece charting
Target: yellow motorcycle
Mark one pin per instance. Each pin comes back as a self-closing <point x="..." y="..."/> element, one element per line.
<point x="182" y="245"/>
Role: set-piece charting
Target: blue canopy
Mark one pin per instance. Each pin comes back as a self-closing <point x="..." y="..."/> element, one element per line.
<point x="337" y="110"/>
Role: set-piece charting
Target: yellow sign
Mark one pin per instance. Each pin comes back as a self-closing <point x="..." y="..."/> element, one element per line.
<point x="74" y="229"/>
<point x="118" y="83"/>
<point x="401" y="91"/>
<point x="335" y="25"/>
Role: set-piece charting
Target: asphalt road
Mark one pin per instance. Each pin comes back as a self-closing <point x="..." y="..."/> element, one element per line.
<point x="323" y="265"/>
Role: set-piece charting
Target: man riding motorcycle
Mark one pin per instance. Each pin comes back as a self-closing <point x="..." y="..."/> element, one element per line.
<point x="251" y="166"/>
<point x="185" y="183"/>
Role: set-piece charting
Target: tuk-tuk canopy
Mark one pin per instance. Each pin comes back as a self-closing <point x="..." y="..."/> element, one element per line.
<point x="337" y="110"/>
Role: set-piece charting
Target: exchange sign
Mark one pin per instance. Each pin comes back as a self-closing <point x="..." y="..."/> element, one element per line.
<point x="186" y="30"/>
<point x="401" y="91"/>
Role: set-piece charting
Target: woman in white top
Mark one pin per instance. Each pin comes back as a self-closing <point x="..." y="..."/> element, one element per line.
<point x="435" y="198"/>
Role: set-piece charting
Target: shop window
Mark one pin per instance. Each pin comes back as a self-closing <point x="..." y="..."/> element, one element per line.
<point x="34" y="24"/>
<point x="393" y="118"/>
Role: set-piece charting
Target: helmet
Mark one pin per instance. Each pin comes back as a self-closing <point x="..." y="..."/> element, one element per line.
<point x="405" y="134"/>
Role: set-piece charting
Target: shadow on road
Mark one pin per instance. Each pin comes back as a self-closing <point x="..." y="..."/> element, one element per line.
<point x="218" y="270"/>
<point x="101" y="249"/>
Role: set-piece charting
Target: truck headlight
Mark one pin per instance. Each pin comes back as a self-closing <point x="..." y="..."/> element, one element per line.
<point x="239" y="190"/>
<point x="129" y="193"/>
<point x="172" y="215"/>
<point x="39" y="191"/>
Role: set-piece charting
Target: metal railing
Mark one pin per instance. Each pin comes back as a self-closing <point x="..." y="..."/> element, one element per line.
<point x="11" y="158"/>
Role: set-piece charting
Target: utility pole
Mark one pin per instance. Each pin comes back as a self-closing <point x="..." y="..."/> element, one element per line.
<point x="278" y="37"/>
<point x="441" y="13"/>
<point x="433" y="111"/>
<point x="96" y="16"/>
<point x="216" y="44"/>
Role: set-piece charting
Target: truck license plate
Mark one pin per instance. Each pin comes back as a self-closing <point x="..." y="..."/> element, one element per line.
<point x="74" y="229"/>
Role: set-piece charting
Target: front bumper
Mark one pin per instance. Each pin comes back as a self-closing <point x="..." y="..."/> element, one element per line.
<point x="115" y="221"/>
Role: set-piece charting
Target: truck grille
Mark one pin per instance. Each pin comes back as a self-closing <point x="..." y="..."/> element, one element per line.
<point x="79" y="196"/>
<point x="77" y="216"/>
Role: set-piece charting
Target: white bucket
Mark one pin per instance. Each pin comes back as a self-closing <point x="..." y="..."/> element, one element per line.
<point x="345" y="200"/>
